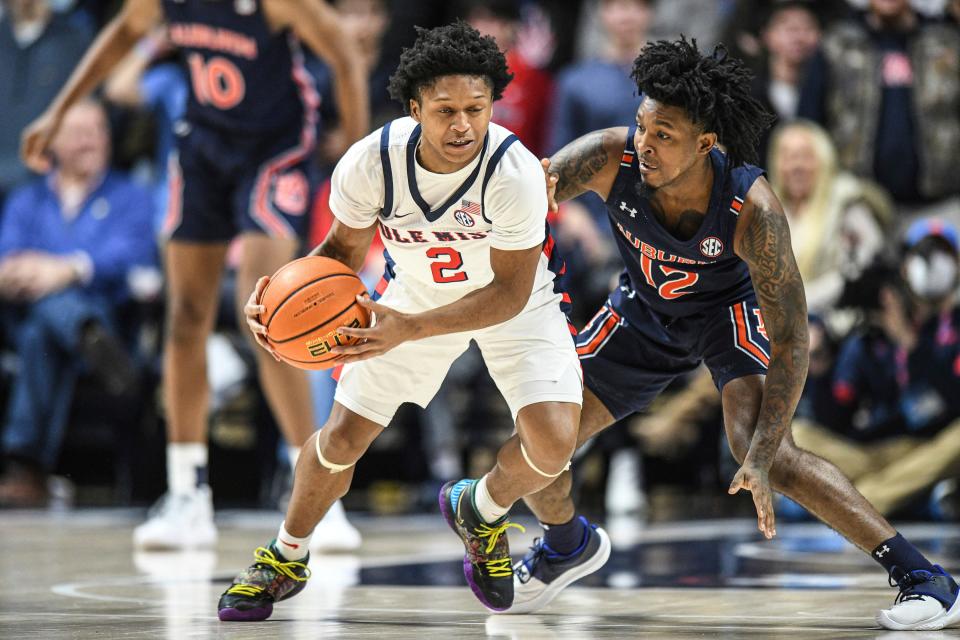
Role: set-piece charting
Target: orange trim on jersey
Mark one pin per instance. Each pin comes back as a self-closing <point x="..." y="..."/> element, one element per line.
<point x="608" y="326"/>
<point x="743" y="340"/>
<point x="736" y="204"/>
<point x="262" y="210"/>
<point x="336" y="371"/>
<point x="627" y="158"/>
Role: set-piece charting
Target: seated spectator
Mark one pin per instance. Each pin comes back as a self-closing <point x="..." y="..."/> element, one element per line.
<point x="34" y="45"/>
<point x="886" y="86"/>
<point x="893" y="422"/>
<point x="838" y="222"/>
<point x="67" y="243"/>
<point x="790" y="35"/>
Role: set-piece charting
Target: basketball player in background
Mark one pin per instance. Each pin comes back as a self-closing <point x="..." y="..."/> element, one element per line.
<point x="710" y="277"/>
<point x="461" y="209"/>
<point x="242" y="168"/>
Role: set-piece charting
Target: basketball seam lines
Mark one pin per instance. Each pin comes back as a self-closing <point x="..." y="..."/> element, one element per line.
<point x="300" y="335"/>
<point x="301" y="288"/>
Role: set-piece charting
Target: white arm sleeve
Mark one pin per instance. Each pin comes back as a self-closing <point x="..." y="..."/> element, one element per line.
<point x="516" y="201"/>
<point x="356" y="188"/>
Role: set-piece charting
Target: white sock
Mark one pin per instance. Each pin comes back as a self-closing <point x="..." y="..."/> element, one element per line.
<point x="291" y="547"/>
<point x="489" y="510"/>
<point x="293" y="454"/>
<point x="186" y="467"/>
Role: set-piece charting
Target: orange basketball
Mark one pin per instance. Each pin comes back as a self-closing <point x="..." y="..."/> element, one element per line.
<point x="305" y="302"/>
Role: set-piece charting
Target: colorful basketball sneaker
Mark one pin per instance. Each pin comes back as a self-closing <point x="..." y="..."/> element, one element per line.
<point x="271" y="578"/>
<point x="927" y="601"/>
<point x="486" y="564"/>
<point x="544" y="573"/>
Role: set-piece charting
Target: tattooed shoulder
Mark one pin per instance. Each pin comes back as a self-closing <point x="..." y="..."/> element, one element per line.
<point x="585" y="164"/>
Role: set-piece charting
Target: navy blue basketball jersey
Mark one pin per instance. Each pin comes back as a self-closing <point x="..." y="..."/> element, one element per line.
<point x="679" y="278"/>
<point x="243" y="77"/>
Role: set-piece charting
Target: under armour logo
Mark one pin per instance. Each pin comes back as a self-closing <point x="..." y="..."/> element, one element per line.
<point x="884" y="549"/>
<point x="624" y="207"/>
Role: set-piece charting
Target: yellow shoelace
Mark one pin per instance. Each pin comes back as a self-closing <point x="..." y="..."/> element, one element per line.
<point x="262" y="555"/>
<point x="496" y="568"/>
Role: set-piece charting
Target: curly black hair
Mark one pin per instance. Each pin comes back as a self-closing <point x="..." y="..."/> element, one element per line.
<point x="714" y="91"/>
<point x="454" y="49"/>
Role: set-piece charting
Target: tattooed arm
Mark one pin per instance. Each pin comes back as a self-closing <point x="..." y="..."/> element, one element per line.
<point x="589" y="163"/>
<point x="763" y="241"/>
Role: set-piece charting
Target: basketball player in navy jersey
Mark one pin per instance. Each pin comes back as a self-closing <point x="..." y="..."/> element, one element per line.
<point x="243" y="169"/>
<point x="710" y="277"/>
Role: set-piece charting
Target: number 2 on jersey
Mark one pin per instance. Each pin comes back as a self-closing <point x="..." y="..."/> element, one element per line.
<point x="217" y="81"/>
<point x="449" y="260"/>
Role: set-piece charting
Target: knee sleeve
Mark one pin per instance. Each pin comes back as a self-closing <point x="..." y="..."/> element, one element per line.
<point x="332" y="466"/>
<point x="529" y="462"/>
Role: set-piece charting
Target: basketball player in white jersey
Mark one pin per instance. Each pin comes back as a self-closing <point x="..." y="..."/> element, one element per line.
<point x="460" y="206"/>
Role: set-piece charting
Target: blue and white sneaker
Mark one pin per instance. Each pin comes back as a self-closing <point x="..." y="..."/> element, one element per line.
<point x="543" y="573"/>
<point x="927" y="601"/>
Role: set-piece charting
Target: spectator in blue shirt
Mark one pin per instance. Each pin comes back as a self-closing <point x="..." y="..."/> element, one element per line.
<point x="34" y="45"/>
<point x="67" y="244"/>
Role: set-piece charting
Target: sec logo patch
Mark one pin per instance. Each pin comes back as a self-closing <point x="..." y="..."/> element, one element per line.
<point x="463" y="218"/>
<point x="711" y="247"/>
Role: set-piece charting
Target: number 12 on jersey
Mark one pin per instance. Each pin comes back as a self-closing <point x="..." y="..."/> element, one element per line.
<point x="446" y="259"/>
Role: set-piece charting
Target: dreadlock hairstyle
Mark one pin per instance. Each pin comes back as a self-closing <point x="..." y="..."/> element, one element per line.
<point x="454" y="49"/>
<point x="714" y="91"/>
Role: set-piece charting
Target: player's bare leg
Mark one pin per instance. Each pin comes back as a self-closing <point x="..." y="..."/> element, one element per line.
<point x="476" y="510"/>
<point x="193" y="273"/>
<point x="318" y="483"/>
<point x="323" y="475"/>
<point x="184" y="517"/>
<point x="286" y="388"/>
<point x="553" y="504"/>
<point x="571" y="547"/>
<point x="824" y="491"/>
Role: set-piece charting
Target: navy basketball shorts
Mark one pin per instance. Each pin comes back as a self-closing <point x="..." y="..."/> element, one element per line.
<point x="630" y="353"/>
<point x="224" y="183"/>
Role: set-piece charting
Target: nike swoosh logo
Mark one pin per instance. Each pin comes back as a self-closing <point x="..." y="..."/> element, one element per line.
<point x="402" y="215"/>
<point x="290" y="544"/>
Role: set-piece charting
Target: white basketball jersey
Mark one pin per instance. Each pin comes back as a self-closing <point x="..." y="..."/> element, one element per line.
<point x="438" y="228"/>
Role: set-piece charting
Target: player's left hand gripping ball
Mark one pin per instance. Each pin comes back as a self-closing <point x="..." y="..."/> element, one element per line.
<point x="389" y="329"/>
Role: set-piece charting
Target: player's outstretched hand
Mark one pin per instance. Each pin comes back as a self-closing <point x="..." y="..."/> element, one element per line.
<point x="252" y="311"/>
<point x="551" y="180"/>
<point x="757" y="482"/>
<point x="390" y="329"/>
<point x="35" y="143"/>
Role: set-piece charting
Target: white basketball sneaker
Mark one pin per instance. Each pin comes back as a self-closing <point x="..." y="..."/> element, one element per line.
<point x="335" y="533"/>
<point x="543" y="573"/>
<point x="927" y="601"/>
<point x="179" y="522"/>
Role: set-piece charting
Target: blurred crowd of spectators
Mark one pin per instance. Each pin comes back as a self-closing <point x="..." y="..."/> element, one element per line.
<point x="863" y="157"/>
